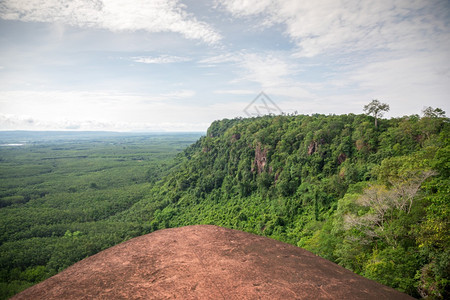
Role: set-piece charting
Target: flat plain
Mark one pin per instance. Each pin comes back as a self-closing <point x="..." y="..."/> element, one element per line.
<point x="59" y="192"/>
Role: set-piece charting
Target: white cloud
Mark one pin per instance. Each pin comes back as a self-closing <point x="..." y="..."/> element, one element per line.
<point x="162" y="59"/>
<point x="236" y="92"/>
<point x="350" y="25"/>
<point x="274" y="72"/>
<point x="266" y="69"/>
<point x="409" y="82"/>
<point x="114" y="15"/>
<point x="221" y="58"/>
<point x="393" y="50"/>
<point x="102" y="110"/>
<point x="179" y="94"/>
<point x="263" y="68"/>
<point x="21" y="122"/>
<point x="331" y="56"/>
<point x="247" y="7"/>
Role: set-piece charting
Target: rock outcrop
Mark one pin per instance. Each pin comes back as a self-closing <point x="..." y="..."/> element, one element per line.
<point x="260" y="159"/>
<point x="207" y="262"/>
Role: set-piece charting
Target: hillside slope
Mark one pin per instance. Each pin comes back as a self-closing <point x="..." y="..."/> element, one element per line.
<point x="372" y="199"/>
<point x="207" y="262"/>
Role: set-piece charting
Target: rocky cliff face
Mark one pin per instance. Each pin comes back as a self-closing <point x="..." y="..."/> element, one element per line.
<point x="260" y="159"/>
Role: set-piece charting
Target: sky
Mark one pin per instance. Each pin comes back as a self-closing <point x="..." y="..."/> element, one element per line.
<point x="172" y="65"/>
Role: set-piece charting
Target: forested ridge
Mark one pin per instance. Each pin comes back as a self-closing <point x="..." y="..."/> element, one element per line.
<point x="372" y="197"/>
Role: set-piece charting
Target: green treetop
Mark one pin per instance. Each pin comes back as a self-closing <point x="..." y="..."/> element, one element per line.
<point x="377" y="109"/>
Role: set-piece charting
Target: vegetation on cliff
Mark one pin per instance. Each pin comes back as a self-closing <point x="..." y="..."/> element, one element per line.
<point x="372" y="199"/>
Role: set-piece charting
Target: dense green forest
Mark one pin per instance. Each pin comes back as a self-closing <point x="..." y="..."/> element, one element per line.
<point x="369" y="194"/>
<point x="58" y="191"/>
<point x="372" y="199"/>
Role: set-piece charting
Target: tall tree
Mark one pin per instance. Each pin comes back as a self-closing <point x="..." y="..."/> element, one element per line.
<point x="430" y="112"/>
<point x="377" y="109"/>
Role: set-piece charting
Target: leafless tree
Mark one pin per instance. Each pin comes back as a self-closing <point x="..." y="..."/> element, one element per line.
<point x="382" y="203"/>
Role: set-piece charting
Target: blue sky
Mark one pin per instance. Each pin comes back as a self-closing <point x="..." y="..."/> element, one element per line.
<point x="169" y="65"/>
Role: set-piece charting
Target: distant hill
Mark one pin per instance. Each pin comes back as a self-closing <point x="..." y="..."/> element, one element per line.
<point x="207" y="262"/>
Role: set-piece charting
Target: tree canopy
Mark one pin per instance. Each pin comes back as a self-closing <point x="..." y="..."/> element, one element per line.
<point x="377" y="109"/>
<point x="430" y="112"/>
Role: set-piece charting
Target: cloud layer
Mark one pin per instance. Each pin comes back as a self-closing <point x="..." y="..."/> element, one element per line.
<point x="351" y="25"/>
<point x="108" y="110"/>
<point x="395" y="50"/>
<point x="162" y="59"/>
<point x="114" y="15"/>
<point x="135" y="64"/>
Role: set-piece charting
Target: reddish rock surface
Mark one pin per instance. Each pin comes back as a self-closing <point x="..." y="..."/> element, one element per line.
<point x="207" y="262"/>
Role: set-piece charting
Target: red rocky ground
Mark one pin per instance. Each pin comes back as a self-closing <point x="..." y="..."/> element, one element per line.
<point x="207" y="262"/>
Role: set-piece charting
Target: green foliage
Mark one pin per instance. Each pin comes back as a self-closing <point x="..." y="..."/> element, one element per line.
<point x="58" y="199"/>
<point x="395" y="267"/>
<point x="430" y="112"/>
<point x="373" y="199"/>
<point x="299" y="178"/>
